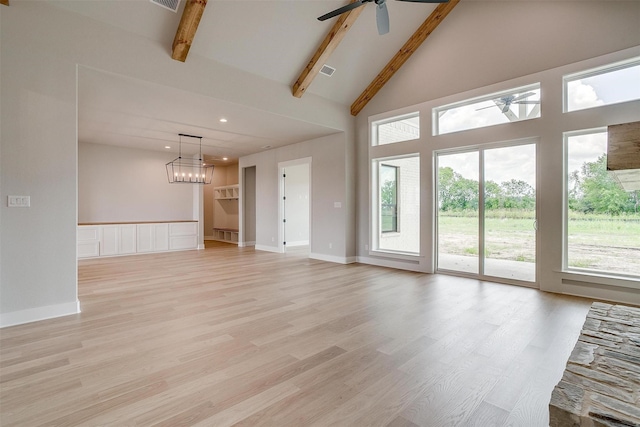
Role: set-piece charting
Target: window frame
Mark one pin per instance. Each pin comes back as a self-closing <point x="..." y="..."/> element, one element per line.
<point x="435" y="111"/>
<point x="576" y="272"/>
<point x="377" y="123"/>
<point x="593" y="72"/>
<point x="396" y="169"/>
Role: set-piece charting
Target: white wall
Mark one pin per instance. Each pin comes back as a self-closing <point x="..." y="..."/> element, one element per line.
<point x="41" y="48"/>
<point x="117" y="184"/>
<point x="208" y="200"/>
<point x="232" y="174"/>
<point x="38" y="159"/>
<point x="330" y="225"/>
<point x="482" y="42"/>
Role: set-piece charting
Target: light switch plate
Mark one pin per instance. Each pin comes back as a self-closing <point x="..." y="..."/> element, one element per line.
<point x="18" y="201"/>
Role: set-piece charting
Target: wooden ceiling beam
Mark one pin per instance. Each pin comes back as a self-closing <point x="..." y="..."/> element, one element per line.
<point x="189" y="22"/>
<point x="326" y="48"/>
<point x="4" y="2"/>
<point x="414" y="42"/>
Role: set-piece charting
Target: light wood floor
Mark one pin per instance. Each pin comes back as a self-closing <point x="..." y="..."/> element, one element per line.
<point x="235" y="336"/>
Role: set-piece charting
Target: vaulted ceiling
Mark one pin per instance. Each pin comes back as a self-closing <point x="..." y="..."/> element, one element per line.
<point x="480" y="42"/>
<point x="271" y="39"/>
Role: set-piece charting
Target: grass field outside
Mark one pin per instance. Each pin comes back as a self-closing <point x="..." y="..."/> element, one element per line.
<point x="597" y="242"/>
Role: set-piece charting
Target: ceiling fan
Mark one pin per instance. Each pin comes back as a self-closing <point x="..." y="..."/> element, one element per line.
<point x="382" y="14"/>
<point x="505" y="102"/>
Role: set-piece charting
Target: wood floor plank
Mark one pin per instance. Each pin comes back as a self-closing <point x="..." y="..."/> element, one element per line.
<point x="232" y="335"/>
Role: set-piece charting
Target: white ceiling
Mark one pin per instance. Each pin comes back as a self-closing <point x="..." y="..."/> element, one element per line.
<point x="117" y="110"/>
<point x="276" y="39"/>
<point x="271" y="39"/>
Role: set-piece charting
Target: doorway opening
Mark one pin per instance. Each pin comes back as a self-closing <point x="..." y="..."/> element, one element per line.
<point x="248" y="229"/>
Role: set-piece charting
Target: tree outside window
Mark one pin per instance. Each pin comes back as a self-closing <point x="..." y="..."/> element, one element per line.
<point x="388" y="198"/>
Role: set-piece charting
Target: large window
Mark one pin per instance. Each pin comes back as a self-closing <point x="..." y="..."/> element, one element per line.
<point x="396" y="129"/>
<point x="602" y="86"/>
<point x="510" y="106"/>
<point x="602" y="220"/>
<point x="397" y="205"/>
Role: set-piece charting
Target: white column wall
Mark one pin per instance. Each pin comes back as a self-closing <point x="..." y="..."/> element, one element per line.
<point x="331" y="227"/>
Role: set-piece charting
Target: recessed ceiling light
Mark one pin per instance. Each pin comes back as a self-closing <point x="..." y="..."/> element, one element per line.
<point x="223" y="120"/>
<point x="167" y="147"/>
<point x="225" y="158"/>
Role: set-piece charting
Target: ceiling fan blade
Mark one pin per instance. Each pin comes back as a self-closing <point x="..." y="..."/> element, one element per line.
<point x="524" y="95"/>
<point x="526" y="102"/>
<point x="426" y="1"/>
<point x="343" y="9"/>
<point x="382" y="18"/>
<point x="505" y="108"/>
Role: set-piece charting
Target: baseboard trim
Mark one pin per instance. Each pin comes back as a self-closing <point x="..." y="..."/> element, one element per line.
<point x="298" y="243"/>
<point x="209" y="238"/>
<point x="267" y="248"/>
<point x="39" y="313"/>
<point x="245" y="244"/>
<point x="332" y="258"/>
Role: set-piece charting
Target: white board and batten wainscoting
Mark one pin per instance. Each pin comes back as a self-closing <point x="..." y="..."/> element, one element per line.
<point x="115" y="239"/>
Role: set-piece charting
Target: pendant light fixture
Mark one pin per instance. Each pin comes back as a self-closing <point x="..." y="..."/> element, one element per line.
<point x="189" y="171"/>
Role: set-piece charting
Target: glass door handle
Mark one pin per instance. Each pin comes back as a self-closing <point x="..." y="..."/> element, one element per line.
<point x="535" y="224"/>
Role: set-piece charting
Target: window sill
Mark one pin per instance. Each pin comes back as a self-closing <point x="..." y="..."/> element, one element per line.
<point x="407" y="256"/>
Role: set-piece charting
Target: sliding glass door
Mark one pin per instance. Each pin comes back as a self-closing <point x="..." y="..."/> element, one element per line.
<point x="493" y="235"/>
<point x="458" y="214"/>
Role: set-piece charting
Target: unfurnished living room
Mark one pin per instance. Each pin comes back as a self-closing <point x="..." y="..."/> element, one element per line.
<point x="320" y="212"/>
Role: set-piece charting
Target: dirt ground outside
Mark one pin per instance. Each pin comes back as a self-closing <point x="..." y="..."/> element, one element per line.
<point x="604" y="245"/>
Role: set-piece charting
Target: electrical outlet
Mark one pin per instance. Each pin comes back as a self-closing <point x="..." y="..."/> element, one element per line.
<point x="18" y="201"/>
<point x="273" y="239"/>
<point x="330" y="245"/>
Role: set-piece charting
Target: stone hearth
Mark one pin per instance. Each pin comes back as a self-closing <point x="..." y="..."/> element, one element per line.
<point x="601" y="383"/>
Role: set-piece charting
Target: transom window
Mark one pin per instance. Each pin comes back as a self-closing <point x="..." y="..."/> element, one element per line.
<point x="611" y="84"/>
<point x="504" y="107"/>
<point x="396" y="129"/>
